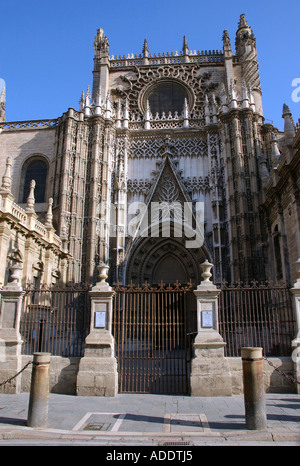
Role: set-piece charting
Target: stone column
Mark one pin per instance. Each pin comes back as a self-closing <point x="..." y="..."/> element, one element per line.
<point x="295" y="291"/>
<point x="98" y="375"/>
<point x="10" y="338"/>
<point x="210" y="374"/>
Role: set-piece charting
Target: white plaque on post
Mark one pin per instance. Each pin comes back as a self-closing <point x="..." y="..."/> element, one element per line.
<point x="100" y="315"/>
<point x="207" y="319"/>
<point x="100" y="319"/>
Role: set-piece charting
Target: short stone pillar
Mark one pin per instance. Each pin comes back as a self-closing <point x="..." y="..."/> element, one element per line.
<point x="10" y="338"/>
<point x="254" y="390"/>
<point x="39" y="391"/>
<point x="210" y="374"/>
<point x="295" y="291"/>
<point x="98" y="375"/>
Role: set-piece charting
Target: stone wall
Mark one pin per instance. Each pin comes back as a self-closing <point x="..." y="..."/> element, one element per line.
<point x="273" y="380"/>
<point x="63" y="375"/>
<point x="20" y="144"/>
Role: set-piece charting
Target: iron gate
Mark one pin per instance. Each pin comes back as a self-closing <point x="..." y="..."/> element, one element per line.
<point x="153" y="327"/>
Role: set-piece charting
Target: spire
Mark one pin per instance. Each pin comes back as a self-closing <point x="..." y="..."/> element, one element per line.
<point x="185" y="47"/>
<point x="243" y="22"/>
<point x="145" y="49"/>
<point x="145" y="53"/>
<point x="81" y="102"/>
<point x="2" y="101"/>
<point x="289" y="127"/>
<point x="185" y="50"/>
<point x="101" y="46"/>
<point x="226" y="44"/>
<point x="245" y="40"/>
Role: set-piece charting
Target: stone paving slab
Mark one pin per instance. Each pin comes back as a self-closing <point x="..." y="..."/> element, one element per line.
<point x="150" y="420"/>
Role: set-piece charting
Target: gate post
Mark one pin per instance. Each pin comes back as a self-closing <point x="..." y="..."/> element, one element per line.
<point x="295" y="291"/>
<point x="98" y="375"/>
<point x="10" y="338"/>
<point x="210" y="374"/>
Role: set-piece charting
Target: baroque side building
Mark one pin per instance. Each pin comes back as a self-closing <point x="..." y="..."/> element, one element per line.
<point x="172" y="129"/>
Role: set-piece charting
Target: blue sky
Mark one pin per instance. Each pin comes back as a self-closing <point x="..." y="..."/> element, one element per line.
<point x="46" y="51"/>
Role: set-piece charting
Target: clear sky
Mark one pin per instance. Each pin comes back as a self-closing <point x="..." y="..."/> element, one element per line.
<point x="46" y="48"/>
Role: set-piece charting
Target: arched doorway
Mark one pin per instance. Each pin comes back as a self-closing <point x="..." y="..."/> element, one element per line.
<point x="155" y="316"/>
<point x="156" y="259"/>
<point x="168" y="270"/>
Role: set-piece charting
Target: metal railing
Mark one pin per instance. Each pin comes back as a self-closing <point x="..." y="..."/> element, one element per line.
<point x="259" y="314"/>
<point x="55" y="319"/>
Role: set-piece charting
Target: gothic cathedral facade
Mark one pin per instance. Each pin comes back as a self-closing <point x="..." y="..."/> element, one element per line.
<point x="183" y="129"/>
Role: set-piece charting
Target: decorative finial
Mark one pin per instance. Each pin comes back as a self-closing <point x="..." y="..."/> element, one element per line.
<point x="275" y="153"/>
<point x="145" y="49"/>
<point x="49" y="215"/>
<point x="226" y="38"/>
<point x="102" y="272"/>
<point x="81" y="102"/>
<point x="147" y="115"/>
<point x="243" y="22"/>
<point x="185" y="47"/>
<point x="101" y="43"/>
<point x="88" y="96"/>
<point x="6" y="179"/>
<point x="206" y="274"/>
<point x="31" y="198"/>
<point x="2" y="100"/>
<point x="289" y="127"/>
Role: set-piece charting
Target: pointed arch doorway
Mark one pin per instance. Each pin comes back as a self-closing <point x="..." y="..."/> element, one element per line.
<point x="155" y="317"/>
<point x="157" y="259"/>
<point x="169" y="270"/>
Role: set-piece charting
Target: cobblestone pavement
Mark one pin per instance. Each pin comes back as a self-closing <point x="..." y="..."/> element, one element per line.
<point x="149" y="420"/>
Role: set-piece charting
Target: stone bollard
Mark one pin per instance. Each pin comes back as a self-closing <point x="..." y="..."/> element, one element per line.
<point x="254" y="395"/>
<point x="39" y="391"/>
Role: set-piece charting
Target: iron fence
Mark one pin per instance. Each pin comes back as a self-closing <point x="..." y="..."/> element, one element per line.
<point x="148" y="321"/>
<point x="259" y="314"/>
<point x="55" y="319"/>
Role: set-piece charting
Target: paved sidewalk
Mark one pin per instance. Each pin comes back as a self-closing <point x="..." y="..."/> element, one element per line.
<point x="156" y="420"/>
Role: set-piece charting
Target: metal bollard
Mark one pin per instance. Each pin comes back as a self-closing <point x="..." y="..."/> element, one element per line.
<point x="39" y="391"/>
<point x="254" y="394"/>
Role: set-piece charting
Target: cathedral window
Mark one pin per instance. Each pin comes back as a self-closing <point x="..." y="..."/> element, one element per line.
<point x="166" y="97"/>
<point x="34" y="169"/>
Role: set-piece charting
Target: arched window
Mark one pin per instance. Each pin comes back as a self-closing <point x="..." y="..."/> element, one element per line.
<point x="36" y="169"/>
